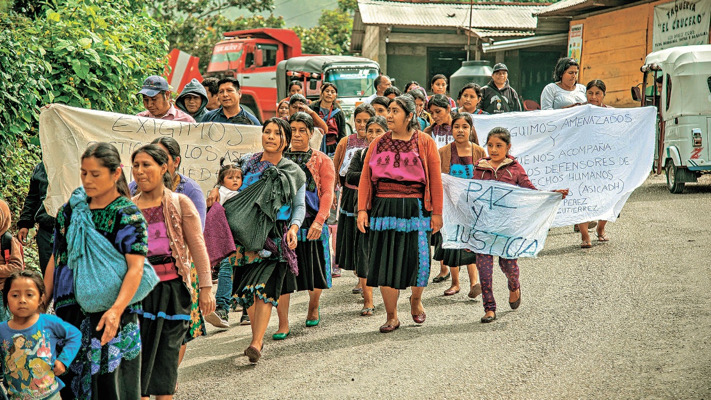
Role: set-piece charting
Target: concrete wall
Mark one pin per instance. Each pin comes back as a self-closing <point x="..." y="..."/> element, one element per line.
<point x="374" y="46"/>
<point x="407" y="63"/>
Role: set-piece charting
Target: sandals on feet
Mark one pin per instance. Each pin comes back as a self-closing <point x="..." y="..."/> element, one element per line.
<point x="367" y="311"/>
<point x="451" y="292"/>
<point x="585" y="245"/>
<point x="475" y="291"/>
<point x="602" y="237"/>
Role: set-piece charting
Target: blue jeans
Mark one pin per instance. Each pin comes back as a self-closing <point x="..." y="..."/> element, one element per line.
<point x="223" y="295"/>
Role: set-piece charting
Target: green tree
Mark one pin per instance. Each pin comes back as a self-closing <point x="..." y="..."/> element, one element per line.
<point x="198" y="36"/>
<point x="195" y="26"/>
<point x="331" y="36"/>
<point x="348" y="6"/>
<point x="83" y="53"/>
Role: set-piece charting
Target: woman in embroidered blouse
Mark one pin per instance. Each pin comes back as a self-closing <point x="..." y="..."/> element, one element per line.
<point x="400" y="189"/>
<point x="265" y="280"/>
<point x="347" y="217"/>
<point x="174" y="239"/>
<point x="184" y="185"/>
<point x="329" y="111"/>
<point x="441" y="129"/>
<point x="441" y="132"/>
<point x="375" y="127"/>
<point x="458" y="159"/>
<point x="108" y="363"/>
<point x="313" y="251"/>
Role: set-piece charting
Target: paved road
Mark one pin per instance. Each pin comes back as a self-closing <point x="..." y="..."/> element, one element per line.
<point x="626" y="319"/>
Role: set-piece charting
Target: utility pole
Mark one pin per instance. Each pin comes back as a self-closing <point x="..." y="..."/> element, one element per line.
<point x="469" y="32"/>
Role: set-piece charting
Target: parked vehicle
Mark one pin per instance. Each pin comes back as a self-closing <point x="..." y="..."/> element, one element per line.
<point x="252" y="56"/>
<point x="684" y="105"/>
<point x="353" y="76"/>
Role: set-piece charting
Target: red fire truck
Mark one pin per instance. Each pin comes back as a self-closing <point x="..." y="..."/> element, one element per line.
<point x="252" y="56"/>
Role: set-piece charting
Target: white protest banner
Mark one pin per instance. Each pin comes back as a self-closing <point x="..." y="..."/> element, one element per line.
<point x="600" y="154"/>
<point x="681" y="23"/>
<point x="65" y="132"/>
<point x="496" y="218"/>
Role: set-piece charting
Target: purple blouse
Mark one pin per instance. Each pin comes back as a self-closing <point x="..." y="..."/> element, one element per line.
<point x="158" y="242"/>
<point x="442" y="135"/>
<point x="397" y="160"/>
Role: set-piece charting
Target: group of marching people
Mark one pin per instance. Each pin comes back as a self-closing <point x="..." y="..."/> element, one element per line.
<point x="267" y="230"/>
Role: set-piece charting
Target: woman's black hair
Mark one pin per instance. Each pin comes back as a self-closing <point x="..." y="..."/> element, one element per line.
<point x="411" y="83"/>
<point x="364" y="108"/>
<point x="436" y="78"/>
<point x="473" y="86"/>
<point x="35" y="277"/>
<point x="417" y="94"/>
<point x="108" y="156"/>
<point x="501" y="133"/>
<point x="226" y="168"/>
<point x="303" y="117"/>
<point x="439" y="100"/>
<point x="598" y="84"/>
<point x="378" y="120"/>
<point x="297" y="83"/>
<point x="382" y="100"/>
<point x="561" y="66"/>
<point x="468" y="119"/>
<point x="172" y="146"/>
<point x="408" y="105"/>
<point x="284" y="129"/>
<point x="392" y="90"/>
<point x="159" y="156"/>
<point x="326" y="85"/>
<point x="295" y="98"/>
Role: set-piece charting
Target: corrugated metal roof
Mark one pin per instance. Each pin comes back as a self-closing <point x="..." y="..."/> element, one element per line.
<point x="561" y="5"/>
<point x="559" y="39"/>
<point x="574" y="7"/>
<point x="488" y="33"/>
<point x="486" y="16"/>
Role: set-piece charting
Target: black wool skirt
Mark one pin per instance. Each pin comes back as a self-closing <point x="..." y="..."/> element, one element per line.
<point x="314" y="258"/>
<point x="345" y="236"/>
<point x="398" y="243"/>
<point x="164" y="323"/>
<point x="451" y="257"/>
<point x="266" y="279"/>
<point x="360" y="246"/>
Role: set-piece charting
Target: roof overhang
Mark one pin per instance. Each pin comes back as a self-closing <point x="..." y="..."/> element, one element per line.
<point x="534" y="41"/>
<point x="568" y="8"/>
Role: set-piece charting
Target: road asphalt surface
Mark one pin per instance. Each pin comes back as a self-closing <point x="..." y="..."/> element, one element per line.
<point x="627" y="319"/>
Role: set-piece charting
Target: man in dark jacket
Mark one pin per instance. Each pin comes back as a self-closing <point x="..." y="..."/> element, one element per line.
<point x="230" y="111"/>
<point x="33" y="212"/>
<point x="193" y="100"/>
<point x="497" y="96"/>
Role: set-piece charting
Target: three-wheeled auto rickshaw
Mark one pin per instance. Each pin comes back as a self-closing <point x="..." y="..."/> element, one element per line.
<point x="684" y="105"/>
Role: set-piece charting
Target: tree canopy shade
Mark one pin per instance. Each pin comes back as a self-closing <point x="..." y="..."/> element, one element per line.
<point x="83" y="53"/>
